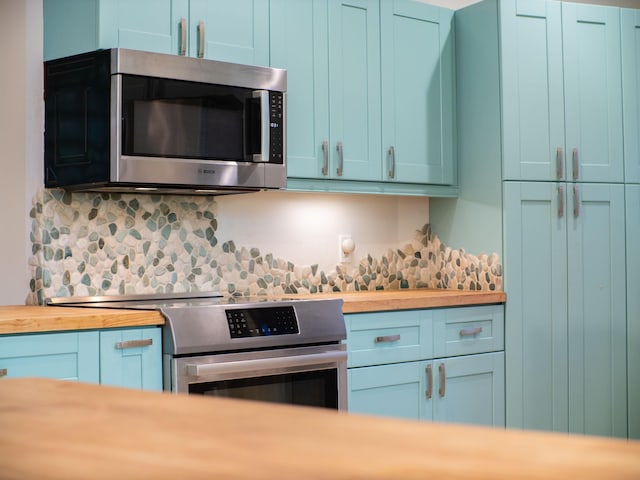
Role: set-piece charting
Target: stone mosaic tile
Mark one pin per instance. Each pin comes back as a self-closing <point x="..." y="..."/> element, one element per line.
<point x="86" y="244"/>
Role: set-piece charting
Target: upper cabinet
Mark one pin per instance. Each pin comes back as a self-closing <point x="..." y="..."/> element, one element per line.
<point x="562" y="97"/>
<point x="370" y="94"/>
<point x="630" y="31"/>
<point x="229" y="31"/>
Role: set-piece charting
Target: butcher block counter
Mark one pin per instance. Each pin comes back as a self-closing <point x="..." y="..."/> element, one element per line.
<point x="63" y="430"/>
<point x="30" y="319"/>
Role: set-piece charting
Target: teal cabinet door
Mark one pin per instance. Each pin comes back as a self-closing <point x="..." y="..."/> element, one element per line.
<point x="64" y="356"/>
<point x="632" y="193"/>
<point x="72" y="27"/>
<point x="395" y="390"/>
<point x="470" y="389"/>
<point x="597" y="310"/>
<point x="593" y="92"/>
<point x="417" y="92"/>
<point x="131" y="358"/>
<point x="299" y="43"/>
<point x="536" y="281"/>
<point x="532" y="91"/>
<point x="354" y="83"/>
<point x="235" y="31"/>
<point x="630" y="31"/>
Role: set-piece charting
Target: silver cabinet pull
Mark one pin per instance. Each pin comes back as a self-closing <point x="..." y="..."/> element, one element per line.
<point x="559" y="163"/>
<point x="560" y="201"/>
<point x="468" y="332"/>
<point x="3" y="372"/>
<point x="325" y="158"/>
<point x="340" y="159"/>
<point x="182" y="48"/>
<point x="443" y="379"/>
<point x="576" y="202"/>
<point x="429" y="381"/>
<point x="575" y="163"/>
<point x="392" y="162"/>
<point x="134" y="343"/>
<point x="388" y="338"/>
<point x="200" y="39"/>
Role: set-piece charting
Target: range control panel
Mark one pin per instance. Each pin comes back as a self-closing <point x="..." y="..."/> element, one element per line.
<point x="262" y="322"/>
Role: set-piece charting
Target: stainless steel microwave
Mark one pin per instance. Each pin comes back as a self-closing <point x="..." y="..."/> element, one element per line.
<point x="124" y="120"/>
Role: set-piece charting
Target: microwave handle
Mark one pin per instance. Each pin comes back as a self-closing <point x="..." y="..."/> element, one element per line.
<point x="265" y="119"/>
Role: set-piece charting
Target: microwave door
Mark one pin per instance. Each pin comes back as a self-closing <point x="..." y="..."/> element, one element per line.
<point x="258" y="127"/>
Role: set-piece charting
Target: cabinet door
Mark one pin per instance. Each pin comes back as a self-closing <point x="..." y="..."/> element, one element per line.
<point x="299" y="43"/>
<point x="417" y="92"/>
<point x="536" y="283"/>
<point x="235" y="31"/>
<point x="593" y="92"/>
<point x="630" y="27"/>
<point x="354" y="83"/>
<point x="532" y="91"/>
<point x="131" y="358"/>
<point x="633" y="307"/>
<point x="396" y="390"/>
<point x="65" y="356"/>
<point x="597" y="310"/>
<point x="470" y="389"/>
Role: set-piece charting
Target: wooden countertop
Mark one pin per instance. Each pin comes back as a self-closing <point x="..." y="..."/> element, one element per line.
<point x="31" y="319"/>
<point x="63" y="430"/>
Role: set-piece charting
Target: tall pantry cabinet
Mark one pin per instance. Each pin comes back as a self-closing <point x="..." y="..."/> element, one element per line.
<point x="540" y="99"/>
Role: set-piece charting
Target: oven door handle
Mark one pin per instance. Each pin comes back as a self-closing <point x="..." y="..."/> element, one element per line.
<point x="199" y="370"/>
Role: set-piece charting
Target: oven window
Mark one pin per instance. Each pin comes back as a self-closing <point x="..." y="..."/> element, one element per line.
<point x="315" y="389"/>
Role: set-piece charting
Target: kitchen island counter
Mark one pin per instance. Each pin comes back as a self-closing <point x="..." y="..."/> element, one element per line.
<point x="64" y="430"/>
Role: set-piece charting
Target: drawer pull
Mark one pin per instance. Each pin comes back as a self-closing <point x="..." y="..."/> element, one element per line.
<point x="3" y="372"/>
<point x="429" y="381"/>
<point x="134" y="343"/>
<point x="468" y="332"/>
<point x="388" y="338"/>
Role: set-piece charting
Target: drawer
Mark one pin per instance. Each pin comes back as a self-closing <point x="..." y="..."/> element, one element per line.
<point x="388" y="337"/>
<point x="467" y="330"/>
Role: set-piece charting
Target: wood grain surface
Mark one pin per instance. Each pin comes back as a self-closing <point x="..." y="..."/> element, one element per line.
<point x="62" y="430"/>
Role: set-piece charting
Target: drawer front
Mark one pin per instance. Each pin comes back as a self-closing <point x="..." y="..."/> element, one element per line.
<point x="388" y="337"/>
<point x="467" y="330"/>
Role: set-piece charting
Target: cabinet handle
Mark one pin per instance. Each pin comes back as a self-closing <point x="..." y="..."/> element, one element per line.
<point x="576" y="202"/>
<point x="392" y="162"/>
<point x="200" y="39"/>
<point x="3" y="372"/>
<point x="134" y="343"/>
<point x="560" y="201"/>
<point x="575" y="163"/>
<point x="388" y="338"/>
<point x="467" y="332"/>
<point x="443" y="379"/>
<point x="559" y="163"/>
<point x="325" y="158"/>
<point x="182" y="48"/>
<point x="340" y="159"/>
<point x="429" y="381"/>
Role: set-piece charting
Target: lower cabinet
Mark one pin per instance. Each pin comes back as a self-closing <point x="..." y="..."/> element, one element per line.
<point x="394" y="371"/>
<point x="127" y="357"/>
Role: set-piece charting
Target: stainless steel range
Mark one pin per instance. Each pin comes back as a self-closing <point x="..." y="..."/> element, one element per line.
<point x="282" y="350"/>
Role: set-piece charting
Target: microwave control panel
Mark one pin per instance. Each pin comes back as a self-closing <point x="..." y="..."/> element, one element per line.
<point x="262" y="322"/>
<point x="276" y="126"/>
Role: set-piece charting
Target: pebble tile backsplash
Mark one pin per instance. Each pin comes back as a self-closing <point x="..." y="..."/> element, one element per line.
<point x="113" y="244"/>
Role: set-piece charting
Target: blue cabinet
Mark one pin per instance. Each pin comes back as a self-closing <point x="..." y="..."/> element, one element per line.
<point x="228" y="31"/>
<point x="561" y="91"/>
<point x="348" y="129"/>
<point x="433" y="364"/>
<point x="566" y="368"/>
<point x="632" y="198"/>
<point x="128" y="357"/>
<point x="630" y="32"/>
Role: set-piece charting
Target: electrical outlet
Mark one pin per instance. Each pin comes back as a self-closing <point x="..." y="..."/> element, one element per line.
<point x="346" y="246"/>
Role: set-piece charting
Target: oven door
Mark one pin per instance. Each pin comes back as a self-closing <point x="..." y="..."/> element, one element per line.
<point x="311" y="376"/>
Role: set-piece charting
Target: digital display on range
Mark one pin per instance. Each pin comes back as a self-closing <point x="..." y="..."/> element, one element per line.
<point x="262" y="322"/>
